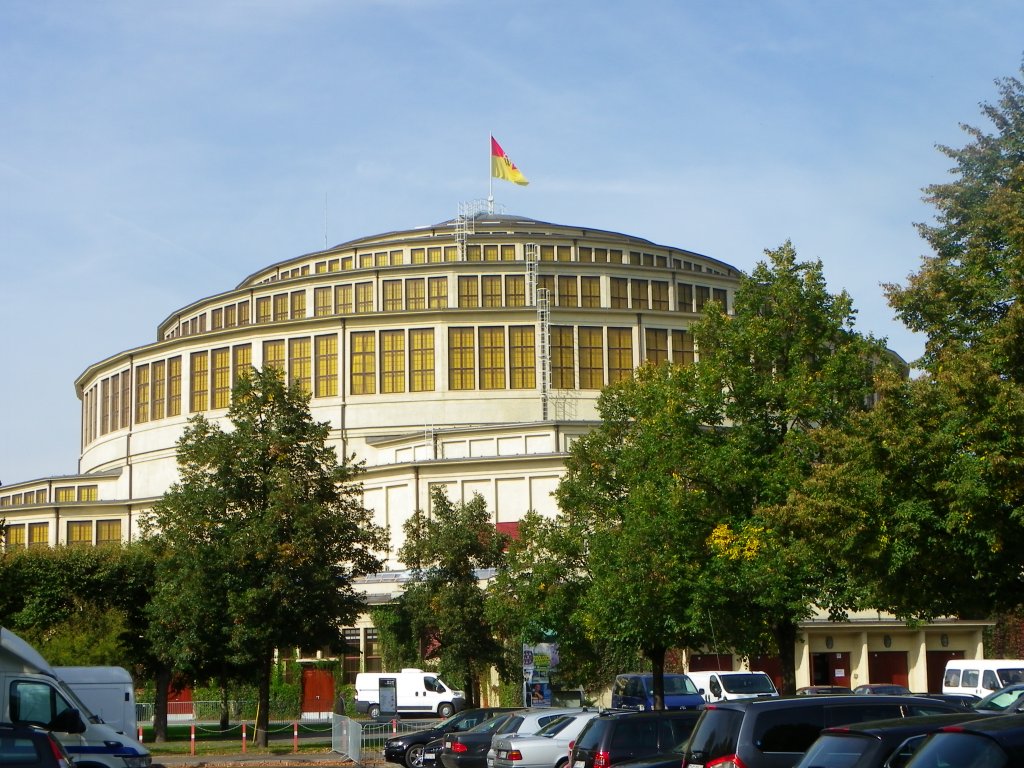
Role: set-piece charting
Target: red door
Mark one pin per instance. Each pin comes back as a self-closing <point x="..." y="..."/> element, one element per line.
<point x="888" y="667"/>
<point x="317" y="691"/>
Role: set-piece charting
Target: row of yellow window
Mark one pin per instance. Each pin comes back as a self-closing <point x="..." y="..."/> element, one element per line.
<point x="474" y="292"/>
<point x="61" y="494"/>
<point x="382" y="361"/>
<point x="78" y="533"/>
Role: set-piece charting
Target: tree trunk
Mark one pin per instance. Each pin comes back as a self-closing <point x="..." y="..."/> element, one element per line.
<point x="225" y="718"/>
<point x="785" y="633"/>
<point x="657" y="657"/>
<point x="163" y="686"/>
<point x="261" y="737"/>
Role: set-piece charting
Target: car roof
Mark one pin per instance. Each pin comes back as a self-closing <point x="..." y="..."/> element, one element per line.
<point x="846" y="699"/>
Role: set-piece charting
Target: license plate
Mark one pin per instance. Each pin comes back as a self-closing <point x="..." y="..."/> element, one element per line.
<point x="579" y="764"/>
<point x="447" y="745"/>
<point x="694" y="765"/>
<point x="502" y="754"/>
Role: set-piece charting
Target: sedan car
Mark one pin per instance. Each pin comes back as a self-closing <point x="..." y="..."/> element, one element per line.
<point x="529" y="721"/>
<point x="469" y="748"/>
<point x="548" y="748"/>
<point x="407" y="748"/>
<point x="26" y="746"/>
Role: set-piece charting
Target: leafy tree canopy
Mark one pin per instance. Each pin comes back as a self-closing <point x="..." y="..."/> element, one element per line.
<point x="264" y="534"/>
<point x="446" y="549"/>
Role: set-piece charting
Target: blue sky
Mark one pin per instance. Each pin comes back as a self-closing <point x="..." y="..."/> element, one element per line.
<point x="152" y="153"/>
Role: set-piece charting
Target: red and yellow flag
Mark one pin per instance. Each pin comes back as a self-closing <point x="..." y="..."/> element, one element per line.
<point x="503" y="168"/>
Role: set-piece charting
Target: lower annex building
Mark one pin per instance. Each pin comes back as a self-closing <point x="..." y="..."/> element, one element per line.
<point x="467" y="355"/>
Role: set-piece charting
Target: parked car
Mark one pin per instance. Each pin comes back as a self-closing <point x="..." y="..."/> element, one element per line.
<point x="887" y="688"/>
<point x="1002" y="702"/>
<point x="548" y="748"/>
<point x="725" y="685"/>
<point x="407" y="748"/>
<point x="635" y="690"/>
<point x="981" y="676"/>
<point x="822" y="690"/>
<point x="469" y="748"/>
<point x="614" y="737"/>
<point x="530" y="721"/>
<point x="774" y="733"/>
<point x="988" y="742"/>
<point x="28" y="746"/>
<point x="889" y="743"/>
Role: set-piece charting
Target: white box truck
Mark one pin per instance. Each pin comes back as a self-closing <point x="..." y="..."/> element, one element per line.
<point x="31" y="692"/>
<point x="415" y="691"/>
<point x="108" y="692"/>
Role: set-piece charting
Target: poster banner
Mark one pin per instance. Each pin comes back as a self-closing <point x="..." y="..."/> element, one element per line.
<point x="539" y="662"/>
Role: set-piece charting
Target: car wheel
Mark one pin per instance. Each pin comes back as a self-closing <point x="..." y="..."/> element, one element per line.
<point x="414" y="756"/>
<point x="373" y="711"/>
<point x="446" y="710"/>
<point x="562" y="763"/>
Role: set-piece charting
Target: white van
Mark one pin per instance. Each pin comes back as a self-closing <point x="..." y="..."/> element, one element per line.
<point x="981" y="677"/>
<point x="31" y="692"/>
<point x="415" y="691"/>
<point x="108" y="692"/>
<point x="723" y="685"/>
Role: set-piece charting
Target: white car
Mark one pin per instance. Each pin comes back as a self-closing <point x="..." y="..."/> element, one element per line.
<point x="548" y="748"/>
<point x="532" y="720"/>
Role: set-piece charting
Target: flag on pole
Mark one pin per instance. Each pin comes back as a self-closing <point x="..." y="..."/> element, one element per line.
<point x="503" y="168"/>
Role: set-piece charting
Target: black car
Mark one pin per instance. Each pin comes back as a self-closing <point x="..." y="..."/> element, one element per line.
<point x="988" y="742"/>
<point x="883" y="742"/>
<point x="26" y="746"/>
<point x="614" y="737"/>
<point x="407" y="748"/>
<point x="469" y="748"/>
<point x="774" y="733"/>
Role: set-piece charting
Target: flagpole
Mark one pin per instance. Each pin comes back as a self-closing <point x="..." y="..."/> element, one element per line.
<point x="490" y="175"/>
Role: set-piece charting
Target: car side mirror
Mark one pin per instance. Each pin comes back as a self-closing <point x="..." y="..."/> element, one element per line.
<point x="68" y="721"/>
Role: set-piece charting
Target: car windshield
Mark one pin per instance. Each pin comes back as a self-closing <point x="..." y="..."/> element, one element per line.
<point x="1000" y="700"/>
<point x="746" y="683"/>
<point x="1011" y="675"/>
<point x="555" y="726"/>
<point x="676" y="685"/>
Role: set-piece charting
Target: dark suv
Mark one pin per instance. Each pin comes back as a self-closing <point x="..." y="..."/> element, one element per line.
<point x="615" y="736"/>
<point x="774" y="733"/>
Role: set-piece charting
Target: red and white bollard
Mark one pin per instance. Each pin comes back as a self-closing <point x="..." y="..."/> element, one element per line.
<point x="295" y="737"/>
<point x="243" y="738"/>
<point x="192" y="740"/>
<point x="394" y="726"/>
<point x="140" y="734"/>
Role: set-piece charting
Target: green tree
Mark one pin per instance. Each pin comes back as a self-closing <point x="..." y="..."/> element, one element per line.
<point x="938" y="465"/>
<point x="677" y="491"/>
<point x="535" y="597"/>
<point x="80" y="605"/>
<point x="264" y="533"/>
<point x="446" y="549"/>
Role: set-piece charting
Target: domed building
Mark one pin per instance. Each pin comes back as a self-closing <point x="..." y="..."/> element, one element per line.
<point x="467" y="355"/>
